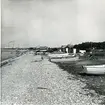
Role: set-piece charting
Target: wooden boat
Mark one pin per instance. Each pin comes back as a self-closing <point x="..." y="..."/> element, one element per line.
<point x="94" y="69"/>
<point x="58" y="55"/>
<point x="64" y="59"/>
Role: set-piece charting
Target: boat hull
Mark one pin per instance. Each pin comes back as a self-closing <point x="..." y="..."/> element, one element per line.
<point x="64" y="59"/>
<point x="58" y="55"/>
<point x="97" y="70"/>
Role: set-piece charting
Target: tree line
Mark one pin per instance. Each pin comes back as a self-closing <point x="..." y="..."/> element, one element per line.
<point x="90" y="45"/>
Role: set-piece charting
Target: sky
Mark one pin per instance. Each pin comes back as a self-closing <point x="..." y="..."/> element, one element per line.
<point x="27" y="23"/>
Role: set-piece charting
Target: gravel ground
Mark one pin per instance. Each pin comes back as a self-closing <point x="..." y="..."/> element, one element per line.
<point x="93" y="82"/>
<point x="30" y="81"/>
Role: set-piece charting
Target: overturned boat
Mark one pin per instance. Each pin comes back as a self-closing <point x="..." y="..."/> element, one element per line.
<point x="94" y="69"/>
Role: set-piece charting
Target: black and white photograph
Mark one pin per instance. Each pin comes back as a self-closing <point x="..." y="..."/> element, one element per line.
<point x="52" y="52"/>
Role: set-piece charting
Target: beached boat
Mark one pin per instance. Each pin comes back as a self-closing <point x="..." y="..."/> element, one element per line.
<point x="58" y="55"/>
<point x="94" y="69"/>
<point x="64" y="59"/>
